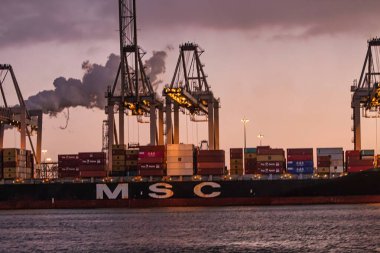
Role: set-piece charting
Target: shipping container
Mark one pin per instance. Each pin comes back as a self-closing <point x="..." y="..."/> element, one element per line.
<point x="132" y="152"/>
<point x="299" y="151"/>
<point x="299" y="157"/>
<point x="278" y="170"/>
<point x="93" y="173"/>
<point x="250" y="150"/>
<point x="329" y="151"/>
<point x="210" y="165"/>
<point x="151" y="154"/>
<point x="208" y="153"/>
<point x="214" y="171"/>
<point x="91" y="155"/>
<point x="273" y="151"/>
<point x="300" y="163"/>
<point x="181" y="147"/>
<point x="151" y="160"/>
<point x="151" y="166"/>
<point x="152" y="148"/>
<point x="271" y="164"/>
<point x="154" y="172"/>
<point x="179" y="159"/>
<point x="300" y="170"/>
<point x="264" y="158"/>
<point x="367" y="152"/>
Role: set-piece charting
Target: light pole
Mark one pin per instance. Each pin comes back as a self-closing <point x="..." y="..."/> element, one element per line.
<point x="245" y="121"/>
<point x="260" y="136"/>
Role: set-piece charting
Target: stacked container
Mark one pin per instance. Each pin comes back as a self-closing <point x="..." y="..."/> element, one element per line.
<point x="330" y="160"/>
<point x="118" y="160"/>
<point x="151" y="161"/>
<point x="68" y="165"/>
<point x="359" y="160"/>
<point x="131" y="160"/>
<point x="210" y="162"/>
<point x="250" y="160"/>
<point x="270" y="161"/>
<point x="30" y="163"/>
<point x="300" y="161"/>
<point x="180" y="160"/>
<point x="14" y="164"/>
<point x="236" y="161"/>
<point x="92" y="164"/>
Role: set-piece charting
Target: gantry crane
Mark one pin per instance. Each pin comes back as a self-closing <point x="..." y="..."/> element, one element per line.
<point x="132" y="90"/>
<point x="366" y="92"/>
<point x="189" y="89"/>
<point x="27" y="121"/>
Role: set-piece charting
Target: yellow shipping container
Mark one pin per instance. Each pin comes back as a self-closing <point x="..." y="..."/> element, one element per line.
<point x="118" y="158"/>
<point x="250" y="155"/>
<point x="131" y="151"/>
<point x="131" y="163"/>
<point x="180" y="153"/>
<point x="172" y="147"/>
<point x="118" y="163"/>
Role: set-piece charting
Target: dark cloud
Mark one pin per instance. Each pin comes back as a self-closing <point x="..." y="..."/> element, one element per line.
<point x="25" y="21"/>
<point x="90" y="91"/>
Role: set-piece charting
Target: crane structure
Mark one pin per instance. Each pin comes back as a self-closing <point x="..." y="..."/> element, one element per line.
<point x="28" y="122"/>
<point x="132" y="92"/>
<point x="189" y="90"/>
<point x="366" y="92"/>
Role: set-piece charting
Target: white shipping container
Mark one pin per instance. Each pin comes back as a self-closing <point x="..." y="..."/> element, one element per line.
<point x="329" y="151"/>
<point x="336" y="157"/>
<point x="170" y="147"/>
<point x="336" y="169"/>
<point x="179" y="166"/>
<point x="176" y="172"/>
<point x="179" y="159"/>
<point x="180" y="153"/>
<point x="335" y="163"/>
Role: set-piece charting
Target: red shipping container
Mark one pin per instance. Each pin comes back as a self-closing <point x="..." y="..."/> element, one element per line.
<point x="131" y="167"/>
<point x="323" y="164"/>
<point x="354" y="163"/>
<point x="210" y="165"/>
<point x="151" y="154"/>
<point x="250" y="170"/>
<point x="93" y="174"/>
<point x="152" y="172"/>
<point x="151" y="166"/>
<point x="271" y="164"/>
<point x="218" y="153"/>
<point x="151" y="160"/>
<point x="91" y="155"/>
<point x="299" y="151"/>
<point x="276" y="151"/>
<point x="236" y="150"/>
<point x="278" y="170"/>
<point x="67" y="157"/>
<point x="92" y="167"/>
<point x="152" y="148"/>
<point x="211" y="159"/>
<point x="68" y="169"/>
<point x="93" y="161"/>
<point x="353" y="153"/>
<point x="299" y="157"/>
<point x="68" y="174"/>
<point x="69" y="163"/>
<point x="323" y="158"/>
<point x="236" y="156"/>
<point x="215" y="171"/>
<point x="358" y="169"/>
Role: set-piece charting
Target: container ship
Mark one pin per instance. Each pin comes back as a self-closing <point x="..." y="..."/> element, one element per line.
<point x="182" y="175"/>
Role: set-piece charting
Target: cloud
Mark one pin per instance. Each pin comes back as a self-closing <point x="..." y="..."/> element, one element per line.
<point x="24" y="22"/>
<point x="90" y="91"/>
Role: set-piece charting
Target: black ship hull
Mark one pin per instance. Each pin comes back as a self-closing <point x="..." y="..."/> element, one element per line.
<point x="363" y="187"/>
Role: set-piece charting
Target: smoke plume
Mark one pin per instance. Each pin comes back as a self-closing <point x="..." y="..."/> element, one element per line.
<point x="90" y="91"/>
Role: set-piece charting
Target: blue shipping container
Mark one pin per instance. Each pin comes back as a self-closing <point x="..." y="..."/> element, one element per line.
<point x="300" y="170"/>
<point x="300" y="163"/>
<point x="250" y="150"/>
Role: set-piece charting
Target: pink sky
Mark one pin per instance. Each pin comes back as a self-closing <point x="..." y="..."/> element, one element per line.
<point x="287" y="66"/>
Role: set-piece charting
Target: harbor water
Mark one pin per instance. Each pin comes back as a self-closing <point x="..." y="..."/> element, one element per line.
<point x="317" y="228"/>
